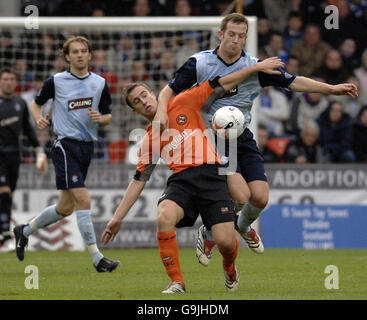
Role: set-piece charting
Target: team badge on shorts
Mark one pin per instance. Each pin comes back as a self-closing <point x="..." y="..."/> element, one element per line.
<point x="181" y="119"/>
<point x="224" y="210"/>
<point x="75" y="178"/>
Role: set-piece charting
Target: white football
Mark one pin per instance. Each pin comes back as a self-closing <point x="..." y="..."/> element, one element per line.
<point x="228" y="122"/>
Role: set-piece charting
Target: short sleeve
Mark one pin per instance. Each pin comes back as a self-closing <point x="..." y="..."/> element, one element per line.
<point x="47" y="92"/>
<point x="185" y="76"/>
<point x="146" y="163"/>
<point x="283" y="80"/>
<point x="105" y="103"/>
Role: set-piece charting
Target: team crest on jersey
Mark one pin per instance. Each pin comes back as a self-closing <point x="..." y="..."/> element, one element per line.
<point x="181" y="119"/>
<point x="82" y="103"/>
<point x="231" y="92"/>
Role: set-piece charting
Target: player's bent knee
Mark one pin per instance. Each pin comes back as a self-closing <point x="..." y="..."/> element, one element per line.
<point x="259" y="201"/>
<point x="166" y="218"/>
<point x="83" y="203"/>
<point x="225" y="244"/>
<point x="64" y="210"/>
<point x="65" y="213"/>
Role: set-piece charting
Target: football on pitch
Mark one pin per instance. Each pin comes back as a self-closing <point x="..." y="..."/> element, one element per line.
<point x="228" y="122"/>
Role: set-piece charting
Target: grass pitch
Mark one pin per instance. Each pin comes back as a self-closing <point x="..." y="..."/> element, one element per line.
<point x="292" y="274"/>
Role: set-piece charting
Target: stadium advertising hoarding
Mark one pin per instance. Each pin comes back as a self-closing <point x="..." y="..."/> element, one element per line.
<point x="310" y="206"/>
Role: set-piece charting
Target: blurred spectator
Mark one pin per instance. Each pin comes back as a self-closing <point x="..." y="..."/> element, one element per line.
<point x="350" y="105"/>
<point x="99" y="66"/>
<point x="221" y="6"/>
<point x="139" y="72"/>
<point x="273" y="110"/>
<point x="141" y="8"/>
<point x="293" y="31"/>
<point x="58" y="65"/>
<point x="190" y="46"/>
<point x="348" y="51"/>
<point x="166" y="69"/>
<point x="156" y="48"/>
<point x="310" y="51"/>
<point x="313" y="11"/>
<point x="332" y="70"/>
<point x="253" y="8"/>
<point x="100" y="40"/>
<point x="292" y="67"/>
<point x="261" y="54"/>
<point x="46" y="53"/>
<point x="263" y="32"/>
<point x="358" y="8"/>
<point x="74" y="8"/>
<point x="359" y="135"/>
<point x="361" y="74"/>
<point x="336" y="133"/>
<point x="182" y="8"/>
<point x="307" y="148"/>
<point x="262" y="140"/>
<point x="277" y="12"/>
<point x="23" y="74"/>
<point x="306" y="107"/>
<point x="7" y="53"/>
<point x="123" y="54"/>
<point x="276" y="46"/>
<point x="348" y="27"/>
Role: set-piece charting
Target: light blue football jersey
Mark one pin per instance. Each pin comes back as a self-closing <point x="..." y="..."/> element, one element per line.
<point x="209" y="65"/>
<point x="73" y="96"/>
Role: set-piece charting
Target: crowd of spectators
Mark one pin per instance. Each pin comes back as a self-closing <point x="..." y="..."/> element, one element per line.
<point x="312" y="127"/>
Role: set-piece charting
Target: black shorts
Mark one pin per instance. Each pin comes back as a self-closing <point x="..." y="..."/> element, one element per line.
<point x="71" y="159"/>
<point x="250" y="162"/>
<point x="200" y="190"/>
<point x="9" y="169"/>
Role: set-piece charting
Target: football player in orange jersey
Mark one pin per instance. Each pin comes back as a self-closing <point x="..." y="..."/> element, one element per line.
<point x="195" y="187"/>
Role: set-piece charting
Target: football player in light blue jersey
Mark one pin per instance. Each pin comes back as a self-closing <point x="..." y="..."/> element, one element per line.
<point x="81" y="102"/>
<point x="248" y="186"/>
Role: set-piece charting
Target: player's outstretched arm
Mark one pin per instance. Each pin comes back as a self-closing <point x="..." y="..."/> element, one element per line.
<point x="304" y="84"/>
<point x="42" y="122"/>
<point x="161" y="116"/>
<point x="131" y="195"/>
<point x="267" y="66"/>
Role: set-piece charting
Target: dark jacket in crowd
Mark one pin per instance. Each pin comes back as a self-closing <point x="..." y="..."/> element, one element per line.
<point x="314" y="154"/>
<point x="337" y="137"/>
<point x="360" y="138"/>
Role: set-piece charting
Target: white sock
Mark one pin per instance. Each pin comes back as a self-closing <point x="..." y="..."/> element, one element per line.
<point x="247" y="216"/>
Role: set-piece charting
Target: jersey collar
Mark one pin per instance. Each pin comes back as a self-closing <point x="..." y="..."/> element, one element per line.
<point x="80" y="78"/>
<point x="243" y="54"/>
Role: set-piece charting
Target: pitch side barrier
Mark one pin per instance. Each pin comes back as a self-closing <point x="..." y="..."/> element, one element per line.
<point x="311" y="205"/>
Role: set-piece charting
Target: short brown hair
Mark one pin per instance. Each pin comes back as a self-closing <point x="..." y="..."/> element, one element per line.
<point x="130" y="87"/>
<point x="234" y="18"/>
<point x="6" y="70"/>
<point x="81" y="39"/>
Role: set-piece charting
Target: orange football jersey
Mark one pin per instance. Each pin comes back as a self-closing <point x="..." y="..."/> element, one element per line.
<point x="186" y="142"/>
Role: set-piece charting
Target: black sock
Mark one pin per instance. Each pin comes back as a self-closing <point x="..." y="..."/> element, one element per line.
<point x="5" y="212"/>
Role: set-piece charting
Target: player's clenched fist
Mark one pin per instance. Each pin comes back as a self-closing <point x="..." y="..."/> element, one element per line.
<point x="43" y="122"/>
<point x="94" y="115"/>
